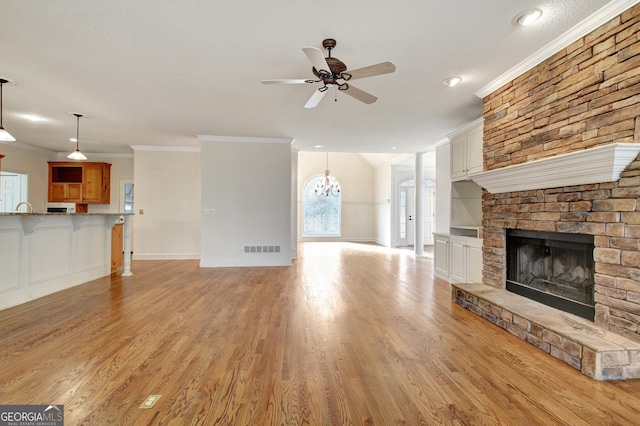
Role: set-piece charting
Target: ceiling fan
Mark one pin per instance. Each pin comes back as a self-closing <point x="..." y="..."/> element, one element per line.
<point x="332" y="72"/>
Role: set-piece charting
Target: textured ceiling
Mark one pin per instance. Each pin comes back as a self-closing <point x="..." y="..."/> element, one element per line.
<point x="157" y="72"/>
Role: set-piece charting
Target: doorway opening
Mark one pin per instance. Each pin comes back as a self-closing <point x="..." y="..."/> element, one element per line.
<point x="406" y="208"/>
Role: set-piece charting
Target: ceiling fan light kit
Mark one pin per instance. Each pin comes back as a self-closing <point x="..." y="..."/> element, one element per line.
<point x="4" y="135"/>
<point x="332" y="72"/>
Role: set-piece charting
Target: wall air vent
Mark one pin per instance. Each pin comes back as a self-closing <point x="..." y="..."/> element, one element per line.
<point x="260" y="249"/>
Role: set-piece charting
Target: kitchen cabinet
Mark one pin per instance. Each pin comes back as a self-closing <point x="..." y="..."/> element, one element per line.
<point x="466" y="153"/>
<point x="465" y="259"/>
<point x="441" y="255"/>
<point x="65" y="192"/>
<point x="86" y="183"/>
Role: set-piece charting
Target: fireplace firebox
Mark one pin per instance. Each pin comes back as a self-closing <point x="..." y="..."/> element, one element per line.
<point x="553" y="268"/>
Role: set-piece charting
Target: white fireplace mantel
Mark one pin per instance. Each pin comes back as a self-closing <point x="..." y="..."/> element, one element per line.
<point x="593" y="165"/>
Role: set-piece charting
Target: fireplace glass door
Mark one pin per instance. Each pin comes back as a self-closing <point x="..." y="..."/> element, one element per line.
<point x="556" y="269"/>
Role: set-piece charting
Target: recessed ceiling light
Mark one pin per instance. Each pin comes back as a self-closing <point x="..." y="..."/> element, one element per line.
<point x="452" y="81"/>
<point x="73" y="140"/>
<point x="319" y="146"/>
<point x="528" y="17"/>
<point x="394" y="147"/>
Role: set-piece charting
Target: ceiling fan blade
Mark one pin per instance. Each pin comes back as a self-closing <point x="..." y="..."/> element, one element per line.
<point x="315" y="99"/>
<point x="285" y="81"/>
<point x="316" y="57"/>
<point x="360" y="95"/>
<point x="372" y="70"/>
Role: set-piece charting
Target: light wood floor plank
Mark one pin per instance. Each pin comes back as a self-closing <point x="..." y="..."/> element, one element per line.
<point x="350" y="334"/>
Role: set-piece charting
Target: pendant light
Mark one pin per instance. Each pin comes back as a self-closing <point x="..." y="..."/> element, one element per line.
<point x="328" y="186"/>
<point x="4" y="135"/>
<point x="77" y="155"/>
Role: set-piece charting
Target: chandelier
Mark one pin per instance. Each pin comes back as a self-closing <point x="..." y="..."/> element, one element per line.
<point x="327" y="186"/>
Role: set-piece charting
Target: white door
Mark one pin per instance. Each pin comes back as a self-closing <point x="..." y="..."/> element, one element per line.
<point x="13" y="191"/>
<point x="411" y="229"/>
<point x="405" y="225"/>
<point x="407" y="214"/>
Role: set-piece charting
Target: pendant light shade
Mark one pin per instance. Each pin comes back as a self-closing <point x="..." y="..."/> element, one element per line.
<point x="77" y="155"/>
<point x="4" y="135"/>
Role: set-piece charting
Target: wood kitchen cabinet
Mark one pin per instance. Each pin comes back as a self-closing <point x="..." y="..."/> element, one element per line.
<point x="87" y="183"/>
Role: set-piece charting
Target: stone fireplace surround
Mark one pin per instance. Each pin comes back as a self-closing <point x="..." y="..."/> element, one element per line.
<point x="609" y="348"/>
<point x="585" y="95"/>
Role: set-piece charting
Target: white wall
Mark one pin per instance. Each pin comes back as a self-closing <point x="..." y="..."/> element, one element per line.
<point x="33" y="163"/>
<point x="383" y="225"/>
<point x="167" y="190"/>
<point x="443" y="188"/>
<point x="248" y="184"/>
<point x="356" y="178"/>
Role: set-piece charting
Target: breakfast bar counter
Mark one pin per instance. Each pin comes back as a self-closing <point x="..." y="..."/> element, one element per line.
<point x="42" y="253"/>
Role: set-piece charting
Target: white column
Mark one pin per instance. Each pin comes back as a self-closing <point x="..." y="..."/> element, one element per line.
<point x="294" y="204"/>
<point x="418" y="216"/>
<point x="127" y="246"/>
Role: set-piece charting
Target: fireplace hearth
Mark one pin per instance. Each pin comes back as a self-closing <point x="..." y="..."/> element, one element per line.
<point x="553" y="268"/>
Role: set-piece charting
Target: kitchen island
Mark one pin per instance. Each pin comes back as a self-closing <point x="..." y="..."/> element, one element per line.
<point x="42" y="253"/>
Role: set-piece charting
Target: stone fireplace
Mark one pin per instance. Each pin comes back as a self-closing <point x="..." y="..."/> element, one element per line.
<point x="584" y="100"/>
<point x="553" y="268"/>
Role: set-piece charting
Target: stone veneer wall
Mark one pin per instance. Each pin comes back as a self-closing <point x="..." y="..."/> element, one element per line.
<point x="586" y="95"/>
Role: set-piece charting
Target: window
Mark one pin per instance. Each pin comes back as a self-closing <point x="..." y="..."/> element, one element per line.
<point x="321" y="215"/>
<point x="128" y="198"/>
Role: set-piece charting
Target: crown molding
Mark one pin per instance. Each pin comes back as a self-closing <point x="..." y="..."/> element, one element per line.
<point x="91" y="155"/>
<point x="244" y="139"/>
<point x="28" y="147"/>
<point x="464" y="129"/>
<point x="444" y="141"/>
<point x="595" y="20"/>
<point x="165" y="148"/>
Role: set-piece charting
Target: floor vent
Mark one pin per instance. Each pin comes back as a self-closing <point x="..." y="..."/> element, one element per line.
<point x="150" y="401"/>
<point x="261" y="249"/>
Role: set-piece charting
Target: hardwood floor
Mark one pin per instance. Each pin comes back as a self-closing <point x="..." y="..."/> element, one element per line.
<point x="350" y="334"/>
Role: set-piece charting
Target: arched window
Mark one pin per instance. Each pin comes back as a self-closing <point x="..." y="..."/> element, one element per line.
<point x="321" y="214"/>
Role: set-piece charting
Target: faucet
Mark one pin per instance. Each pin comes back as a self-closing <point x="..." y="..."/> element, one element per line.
<point x="30" y="207"/>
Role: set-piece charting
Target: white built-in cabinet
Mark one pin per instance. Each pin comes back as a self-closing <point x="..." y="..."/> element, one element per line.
<point x="458" y="255"/>
<point x="465" y="259"/>
<point x="441" y="255"/>
<point x="466" y="153"/>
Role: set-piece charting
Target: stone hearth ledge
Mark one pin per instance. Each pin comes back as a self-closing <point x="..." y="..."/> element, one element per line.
<point x="596" y="352"/>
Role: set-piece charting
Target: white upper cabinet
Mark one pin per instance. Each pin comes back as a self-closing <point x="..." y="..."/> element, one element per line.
<point x="466" y="153"/>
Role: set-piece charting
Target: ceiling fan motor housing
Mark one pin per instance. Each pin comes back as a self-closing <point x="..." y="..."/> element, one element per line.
<point x="336" y="66"/>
